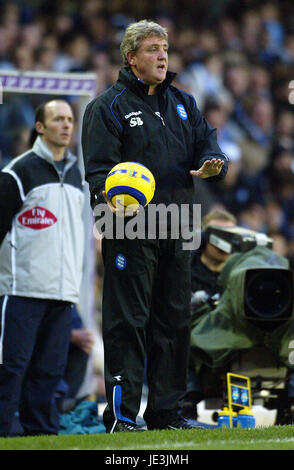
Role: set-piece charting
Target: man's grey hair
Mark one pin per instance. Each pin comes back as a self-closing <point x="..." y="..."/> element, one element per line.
<point x="136" y="33"/>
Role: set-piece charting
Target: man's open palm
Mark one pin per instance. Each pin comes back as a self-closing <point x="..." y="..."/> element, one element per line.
<point x="209" y="168"/>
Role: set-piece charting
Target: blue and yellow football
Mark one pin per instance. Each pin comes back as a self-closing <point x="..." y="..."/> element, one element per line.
<point x="129" y="185"/>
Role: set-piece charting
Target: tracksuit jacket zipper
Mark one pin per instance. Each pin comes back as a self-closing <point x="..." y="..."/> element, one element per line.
<point x="61" y="176"/>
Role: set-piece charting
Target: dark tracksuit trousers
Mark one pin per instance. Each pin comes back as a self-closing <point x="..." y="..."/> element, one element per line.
<point x="34" y="340"/>
<point x="146" y="311"/>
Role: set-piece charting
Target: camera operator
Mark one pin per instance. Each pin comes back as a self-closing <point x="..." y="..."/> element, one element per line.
<point x="242" y="310"/>
<point x="206" y="264"/>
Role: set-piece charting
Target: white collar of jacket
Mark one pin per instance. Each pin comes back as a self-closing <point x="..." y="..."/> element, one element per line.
<point x="41" y="149"/>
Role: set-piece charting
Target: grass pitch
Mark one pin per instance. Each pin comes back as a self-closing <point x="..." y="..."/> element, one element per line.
<point x="270" y="438"/>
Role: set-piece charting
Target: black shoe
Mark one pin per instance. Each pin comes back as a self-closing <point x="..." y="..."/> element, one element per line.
<point x="125" y="426"/>
<point x="189" y="410"/>
<point x="177" y="423"/>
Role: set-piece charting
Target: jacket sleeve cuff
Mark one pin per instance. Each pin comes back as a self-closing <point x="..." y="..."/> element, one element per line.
<point x="96" y="198"/>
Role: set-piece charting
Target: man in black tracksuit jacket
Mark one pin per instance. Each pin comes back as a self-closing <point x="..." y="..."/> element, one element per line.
<point x="146" y="298"/>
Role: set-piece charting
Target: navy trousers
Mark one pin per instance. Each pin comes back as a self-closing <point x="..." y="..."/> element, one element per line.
<point x="146" y="312"/>
<point x="34" y="341"/>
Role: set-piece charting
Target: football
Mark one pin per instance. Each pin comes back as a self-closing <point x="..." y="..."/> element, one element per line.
<point x="129" y="185"/>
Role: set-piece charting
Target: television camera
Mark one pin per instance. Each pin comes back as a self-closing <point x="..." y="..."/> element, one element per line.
<point x="249" y="325"/>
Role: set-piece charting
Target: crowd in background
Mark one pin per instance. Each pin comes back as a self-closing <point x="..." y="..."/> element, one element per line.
<point x="236" y="59"/>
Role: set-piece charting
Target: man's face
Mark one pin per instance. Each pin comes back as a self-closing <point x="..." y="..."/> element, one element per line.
<point x="149" y="62"/>
<point x="58" y="126"/>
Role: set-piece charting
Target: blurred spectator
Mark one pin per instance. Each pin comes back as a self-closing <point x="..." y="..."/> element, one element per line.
<point x="236" y="191"/>
<point x="15" y="112"/>
<point x="31" y="35"/>
<point x="284" y="132"/>
<point x="205" y="78"/>
<point x="251" y="27"/>
<point x="260" y="81"/>
<point x="273" y="31"/>
<point x="253" y="218"/>
<point x="229" y="34"/>
<point x="257" y="122"/>
<point x="75" y="55"/>
<point x="275" y="217"/>
<point x="24" y="58"/>
<point x="45" y="59"/>
<point x="106" y="70"/>
<point x="218" y="113"/>
<point x="270" y="16"/>
<point x="21" y="140"/>
<point x="280" y="243"/>
<point x="260" y="123"/>
<point x="288" y="50"/>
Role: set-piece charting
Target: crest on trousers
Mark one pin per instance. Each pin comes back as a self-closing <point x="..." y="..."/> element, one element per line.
<point x="120" y="261"/>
